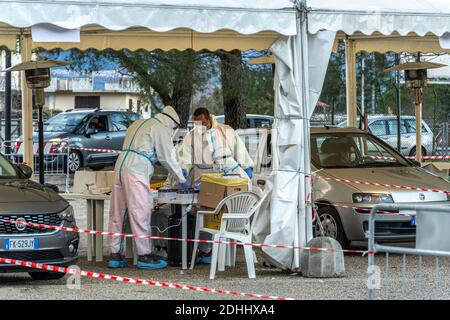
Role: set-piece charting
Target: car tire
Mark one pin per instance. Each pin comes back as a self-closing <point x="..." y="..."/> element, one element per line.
<point x="332" y="226"/>
<point x="412" y="153"/>
<point x="39" y="276"/>
<point x="74" y="162"/>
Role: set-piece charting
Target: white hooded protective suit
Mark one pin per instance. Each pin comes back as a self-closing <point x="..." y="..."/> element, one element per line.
<point x="219" y="149"/>
<point x="147" y="142"/>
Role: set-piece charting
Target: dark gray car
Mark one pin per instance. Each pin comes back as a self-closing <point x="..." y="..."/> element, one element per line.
<point x="86" y="128"/>
<point x="23" y="200"/>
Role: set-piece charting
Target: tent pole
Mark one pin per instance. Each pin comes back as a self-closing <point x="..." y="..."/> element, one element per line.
<point x="7" y="101"/>
<point x="27" y="107"/>
<point x="306" y="128"/>
<point x="350" y="81"/>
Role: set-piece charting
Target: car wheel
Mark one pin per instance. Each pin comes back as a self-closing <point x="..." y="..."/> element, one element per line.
<point x="74" y="161"/>
<point x="332" y="226"/>
<point x="46" y="275"/>
<point x="412" y="153"/>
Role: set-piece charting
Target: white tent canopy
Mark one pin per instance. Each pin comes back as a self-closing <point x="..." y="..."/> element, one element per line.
<point x="202" y="24"/>
<point x="244" y="17"/>
<point x="383" y="16"/>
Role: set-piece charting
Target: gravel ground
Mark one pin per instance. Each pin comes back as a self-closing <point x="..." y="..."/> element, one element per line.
<point x="269" y="281"/>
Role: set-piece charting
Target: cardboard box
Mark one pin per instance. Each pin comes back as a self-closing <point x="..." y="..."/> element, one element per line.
<point x="211" y="194"/>
<point x="88" y="181"/>
<point x="212" y="221"/>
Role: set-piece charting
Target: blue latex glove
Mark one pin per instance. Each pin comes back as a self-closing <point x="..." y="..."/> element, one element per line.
<point x="249" y="172"/>
<point x="184" y="185"/>
<point x="185" y="174"/>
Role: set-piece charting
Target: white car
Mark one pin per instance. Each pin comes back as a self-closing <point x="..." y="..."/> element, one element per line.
<point x="385" y="128"/>
<point x="353" y="154"/>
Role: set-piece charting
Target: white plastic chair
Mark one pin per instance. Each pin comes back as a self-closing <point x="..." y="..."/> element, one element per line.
<point x="235" y="225"/>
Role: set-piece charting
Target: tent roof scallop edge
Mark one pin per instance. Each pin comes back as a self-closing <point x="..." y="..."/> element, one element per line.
<point x="384" y="16"/>
<point x="244" y="17"/>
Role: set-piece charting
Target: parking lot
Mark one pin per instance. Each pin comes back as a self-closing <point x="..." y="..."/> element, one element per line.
<point x="269" y="281"/>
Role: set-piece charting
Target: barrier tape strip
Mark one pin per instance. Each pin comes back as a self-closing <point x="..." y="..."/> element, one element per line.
<point x="96" y="150"/>
<point x="373" y="157"/>
<point x="388" y="185"/>
<point x="125" y="235"/>
<point x="90" y="274"/>
<point x="410" y="157"/>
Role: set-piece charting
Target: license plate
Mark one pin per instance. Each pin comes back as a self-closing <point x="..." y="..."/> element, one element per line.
<point x="413" y="221"/>
<point x="21" y="244"/>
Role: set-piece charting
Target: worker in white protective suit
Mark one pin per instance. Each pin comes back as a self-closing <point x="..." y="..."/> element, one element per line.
<point x="213" y="147"/>
<point x="148" y="142"/>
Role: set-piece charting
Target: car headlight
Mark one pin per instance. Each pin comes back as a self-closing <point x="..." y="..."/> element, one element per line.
<point x="372" y="198"/>
<point x="67" y="214"/>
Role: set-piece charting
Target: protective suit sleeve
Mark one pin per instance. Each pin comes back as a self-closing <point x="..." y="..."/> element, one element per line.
<point x="184" y="153"/>
<point x="242" y="156"/>
<point x="166" y="152"/>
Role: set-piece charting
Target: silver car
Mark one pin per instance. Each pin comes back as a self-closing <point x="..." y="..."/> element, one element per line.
<point x="385" y="128"/>
<point x="353" y="154"/>
<point x="23" y="200"/>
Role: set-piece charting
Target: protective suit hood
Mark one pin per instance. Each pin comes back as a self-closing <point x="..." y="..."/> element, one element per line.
<point x="169" y="117"/>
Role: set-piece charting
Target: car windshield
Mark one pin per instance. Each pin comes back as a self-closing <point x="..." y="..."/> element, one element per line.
<point x="352" y="150"/>
<point x="64" y="122"/>
<point x="6" y="169"/>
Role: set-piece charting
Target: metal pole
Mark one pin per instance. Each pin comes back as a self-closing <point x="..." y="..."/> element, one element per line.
<point x="27" y="106"/>
<point x="419" y="92"/>
<point x="418" y="103"/>
<point x="350" y="79"/>
<point x="398" y="102"/>
<point x="7" y="102"/>
<point x="41" y="147"/>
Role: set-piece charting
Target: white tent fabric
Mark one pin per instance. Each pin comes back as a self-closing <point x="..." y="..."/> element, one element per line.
<point x="385" y="16"/>
<point x="288" y="222"/>
<point x="243" y="16"/>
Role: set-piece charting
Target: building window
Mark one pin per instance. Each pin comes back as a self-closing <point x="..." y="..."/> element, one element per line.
<point x="90" y="102"/>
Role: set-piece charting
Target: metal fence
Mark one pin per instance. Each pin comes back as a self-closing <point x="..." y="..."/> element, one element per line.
<point x="411" y="273"/>
<point x="441" y="139"/>
<point x="55" y="158"/>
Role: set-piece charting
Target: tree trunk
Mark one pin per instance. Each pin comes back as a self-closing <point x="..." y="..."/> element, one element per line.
<point x="232" y="74"/>
<point x="183" y="88"/>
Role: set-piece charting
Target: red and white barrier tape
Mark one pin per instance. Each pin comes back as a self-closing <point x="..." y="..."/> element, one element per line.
<point x="373" y="157"/>
<point x="96" y="150"/>
<point x="388" y="185"/>
<point x="98" y="275"/>
<point x="125" y="235"/>
<point x="429" y="157"/>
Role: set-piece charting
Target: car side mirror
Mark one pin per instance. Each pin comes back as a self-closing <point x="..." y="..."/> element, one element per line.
<point x="90" y="132"/>
<point x="26" y="170"/>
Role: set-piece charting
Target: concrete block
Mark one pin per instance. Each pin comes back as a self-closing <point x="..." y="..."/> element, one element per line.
<point x="323" y="264"/>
